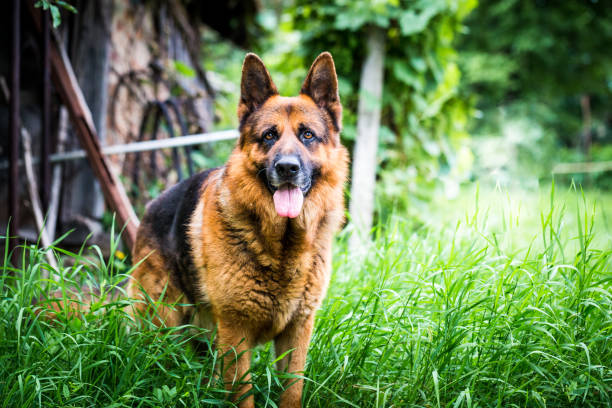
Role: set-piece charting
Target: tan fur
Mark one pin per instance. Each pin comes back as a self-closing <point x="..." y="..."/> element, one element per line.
<point x="269" y="284"/>
<point x="152" y="276"/>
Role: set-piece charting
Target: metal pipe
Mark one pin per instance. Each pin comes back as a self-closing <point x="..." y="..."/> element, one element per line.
<point x="14" y="124"/>
<point x="188" y="140"/>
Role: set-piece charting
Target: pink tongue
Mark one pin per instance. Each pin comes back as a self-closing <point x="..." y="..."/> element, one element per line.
<point x="288" y="201"/>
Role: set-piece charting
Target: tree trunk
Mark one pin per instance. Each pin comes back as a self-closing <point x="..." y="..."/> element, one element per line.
<point x="585" y="135"/>
<point x="368" y="123"/>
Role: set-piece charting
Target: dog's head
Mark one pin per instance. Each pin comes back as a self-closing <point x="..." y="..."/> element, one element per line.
<point x="290" y="144"/>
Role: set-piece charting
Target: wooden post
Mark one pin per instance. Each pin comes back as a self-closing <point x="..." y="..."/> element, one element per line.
<point x="70" y="92"/>
<point x="366" y="145"/>
<point x="585" y="135"/>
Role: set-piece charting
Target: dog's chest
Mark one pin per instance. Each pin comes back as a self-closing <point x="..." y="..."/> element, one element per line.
<point x="272" y="292"/>
<point x="267" y="294"/>
<point x="260" y="274"/>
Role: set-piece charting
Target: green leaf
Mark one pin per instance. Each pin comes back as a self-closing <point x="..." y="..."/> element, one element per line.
<point x="418" y="63"/>
<point x="184" y="69"/>
<point x="402" y="71"/>
<point x="42" y="3"/>
<point x="67" y="6"/>
<point x="55" y="14"/>
<point x="412" y="23"/>
<point x="350" y="21"/>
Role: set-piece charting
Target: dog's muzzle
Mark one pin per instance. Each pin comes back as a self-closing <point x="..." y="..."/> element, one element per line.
<point x="289" y="169"/>
<point x="289" y="180"/>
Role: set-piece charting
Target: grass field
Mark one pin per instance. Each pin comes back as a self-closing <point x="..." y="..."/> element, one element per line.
<point x="501" y="299"/>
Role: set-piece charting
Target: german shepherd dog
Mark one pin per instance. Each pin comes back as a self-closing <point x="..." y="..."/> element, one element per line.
<point x="248" y="245"/>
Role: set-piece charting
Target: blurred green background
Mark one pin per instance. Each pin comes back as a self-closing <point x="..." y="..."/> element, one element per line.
<point x="494" y="92"/>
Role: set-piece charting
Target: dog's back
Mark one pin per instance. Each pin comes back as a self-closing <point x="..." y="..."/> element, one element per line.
<point x="166" y="222"/>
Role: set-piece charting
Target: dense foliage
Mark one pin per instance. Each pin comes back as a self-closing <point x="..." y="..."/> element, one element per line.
<point x="546" y="52"/>
<point x="424" y="119"/>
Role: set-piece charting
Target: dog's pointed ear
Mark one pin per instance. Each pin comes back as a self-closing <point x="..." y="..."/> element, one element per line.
<point x="321" y="84"/>
<point x="256" y="86"/>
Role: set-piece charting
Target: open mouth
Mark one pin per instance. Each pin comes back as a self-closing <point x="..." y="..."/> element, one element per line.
<point x="288" y="200"/>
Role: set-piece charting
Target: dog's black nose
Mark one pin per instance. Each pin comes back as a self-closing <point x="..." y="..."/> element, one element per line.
<point x="287" y="166"/>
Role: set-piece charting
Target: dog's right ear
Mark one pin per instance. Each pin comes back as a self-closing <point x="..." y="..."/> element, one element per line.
<point x="321" y="84"/>
<point x="256" y="86"/>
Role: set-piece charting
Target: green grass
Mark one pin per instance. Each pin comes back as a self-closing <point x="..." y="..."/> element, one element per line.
<point x="497" y="305"/>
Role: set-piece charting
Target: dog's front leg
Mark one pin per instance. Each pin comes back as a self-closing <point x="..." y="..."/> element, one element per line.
<point x="235" y="347"/>
<point x="295" y="336"/>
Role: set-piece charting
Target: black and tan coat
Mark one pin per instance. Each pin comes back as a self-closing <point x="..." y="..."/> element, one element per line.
<point x="222" y="240"/>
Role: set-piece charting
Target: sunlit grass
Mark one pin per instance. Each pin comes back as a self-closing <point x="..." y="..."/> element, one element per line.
<point x="502" y="304"/>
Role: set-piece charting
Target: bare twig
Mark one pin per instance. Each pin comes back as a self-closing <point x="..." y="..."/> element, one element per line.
<point x="56" y="180"/>
<point x="34" y="199"/>
<point x="4" y="88"/>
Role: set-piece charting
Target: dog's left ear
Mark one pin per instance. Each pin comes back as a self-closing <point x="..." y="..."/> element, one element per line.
<point x="256" y="86"/>
<point x="321" y="84"/>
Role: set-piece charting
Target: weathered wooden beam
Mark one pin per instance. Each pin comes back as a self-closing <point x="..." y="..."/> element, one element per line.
<point x="366" y="144"/>
<point x="71" y="95"/>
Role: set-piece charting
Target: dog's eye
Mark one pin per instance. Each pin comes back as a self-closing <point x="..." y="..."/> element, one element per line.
<point x="307" y="135"/>
<point x="269" y="135"/>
